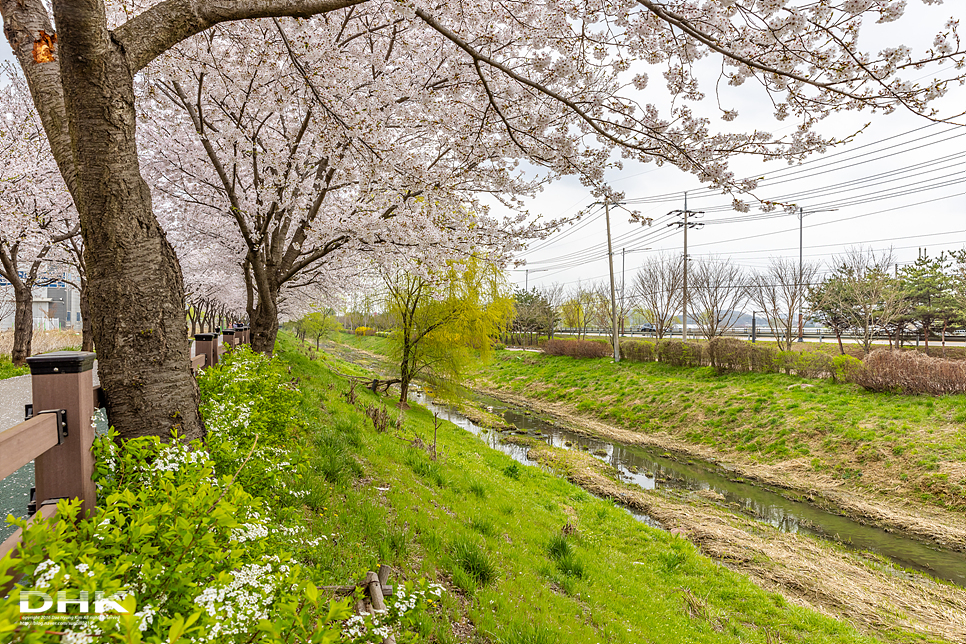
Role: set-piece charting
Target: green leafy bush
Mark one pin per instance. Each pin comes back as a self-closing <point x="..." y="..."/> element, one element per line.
<point x="247" y="404"/>
<point x="637" y="350"/>
<point x="187" y="554"/>
<point x="809" y="364"/>
<point x="181" y="544"/>
<point x="785" y="361"/>
<point x="763" y="358"/>
<point x="846" y="368"/>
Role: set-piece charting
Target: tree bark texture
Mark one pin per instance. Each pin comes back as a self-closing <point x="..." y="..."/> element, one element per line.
<point x="23" y="324"/>
<point x="135" y="291"/>
<point x="264" y="322"/>
<point x="87" y="334"/>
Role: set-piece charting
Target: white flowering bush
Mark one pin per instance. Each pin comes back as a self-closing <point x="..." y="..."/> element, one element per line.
<point x="190" y="556"/>
<point x="247" y="403"/>
<point x="182" y="551"/>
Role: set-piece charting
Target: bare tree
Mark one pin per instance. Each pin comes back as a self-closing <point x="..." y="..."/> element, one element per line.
<point x="779" y="291"/>
<point x="871" y="298"/>
<point x="658" y="290"/>
<point x="600" y="305"/>
<point x="718" y="289"/>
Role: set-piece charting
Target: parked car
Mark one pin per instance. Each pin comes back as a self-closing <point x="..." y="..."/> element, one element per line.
<point x="647" y="327"/>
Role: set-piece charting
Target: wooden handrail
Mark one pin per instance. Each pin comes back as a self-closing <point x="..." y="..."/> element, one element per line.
<point x="23" y="443"/>
<point x="198" y="362"/>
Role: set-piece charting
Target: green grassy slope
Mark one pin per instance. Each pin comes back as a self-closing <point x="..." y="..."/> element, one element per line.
<point x="529" y="558"/>
<point x="879" y="442"/>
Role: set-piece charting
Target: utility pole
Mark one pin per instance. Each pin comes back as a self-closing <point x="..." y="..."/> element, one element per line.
<point x="800" y="288"/>
<point x="685" y="225"/>
<point x="613" y="298"/>
<point x="613" y="290"/>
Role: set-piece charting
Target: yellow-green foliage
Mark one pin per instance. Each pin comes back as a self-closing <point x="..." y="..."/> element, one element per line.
<point x="447" y="320"/>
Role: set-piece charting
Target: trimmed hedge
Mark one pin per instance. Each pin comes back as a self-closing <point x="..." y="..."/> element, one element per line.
<point x="910" y="372"/>
<point x="907" y="372"/>
<point x="577" y="348"/>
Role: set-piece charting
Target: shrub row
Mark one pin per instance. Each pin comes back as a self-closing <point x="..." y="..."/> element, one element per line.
<point x="731" y="355"/>
<point x="907" y="372"/>
<point x="910" y="372"/>
<point x="577" y="348"/>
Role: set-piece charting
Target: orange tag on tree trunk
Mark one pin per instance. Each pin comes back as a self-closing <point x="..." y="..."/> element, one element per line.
<point x="44" y="48"/>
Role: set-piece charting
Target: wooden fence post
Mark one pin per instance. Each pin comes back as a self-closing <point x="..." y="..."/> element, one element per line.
<point x="228" y="335"/>
<point x="207" y="344"/>
<point x="64" y="380"/>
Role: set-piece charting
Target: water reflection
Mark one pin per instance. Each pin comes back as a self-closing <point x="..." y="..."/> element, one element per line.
<point x="652" y="470"/>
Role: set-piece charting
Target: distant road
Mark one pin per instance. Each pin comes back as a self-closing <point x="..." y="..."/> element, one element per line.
<point x="810" y="335"/>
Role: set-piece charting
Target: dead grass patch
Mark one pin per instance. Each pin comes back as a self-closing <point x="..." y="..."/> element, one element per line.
<point x="43" y="341"/>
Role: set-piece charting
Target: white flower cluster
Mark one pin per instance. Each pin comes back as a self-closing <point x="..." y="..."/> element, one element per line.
<point x="45" y="572"/>
<point x="376" y="627"/>
<point x="242" y="602"/>
<point x="249" y="532"/>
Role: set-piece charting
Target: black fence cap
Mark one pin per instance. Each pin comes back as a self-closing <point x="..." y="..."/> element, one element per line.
<point x="205" y="336"/>
<point x="228" y="332"/>
<point x="61" y="362"/>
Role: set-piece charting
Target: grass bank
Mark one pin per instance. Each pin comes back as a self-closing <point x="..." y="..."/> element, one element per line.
<point x="886" y="459"/>
<point x="529" y="557"/>
<point x="894" y="460"/>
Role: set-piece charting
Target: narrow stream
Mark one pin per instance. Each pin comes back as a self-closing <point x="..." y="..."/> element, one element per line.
<point x="650" y="470"/>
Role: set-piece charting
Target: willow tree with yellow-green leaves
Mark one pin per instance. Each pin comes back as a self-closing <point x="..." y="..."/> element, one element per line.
<point x="445" y="321"/>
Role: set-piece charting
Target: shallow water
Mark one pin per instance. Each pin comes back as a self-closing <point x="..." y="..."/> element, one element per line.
<point x="651" y="469"/>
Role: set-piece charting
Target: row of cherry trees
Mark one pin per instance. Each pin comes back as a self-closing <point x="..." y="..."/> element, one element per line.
<point x="279" y="147"/>
<point x="39" y="227"/>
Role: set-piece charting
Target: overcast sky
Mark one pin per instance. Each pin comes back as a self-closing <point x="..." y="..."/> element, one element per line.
<point x="900" y="184"/>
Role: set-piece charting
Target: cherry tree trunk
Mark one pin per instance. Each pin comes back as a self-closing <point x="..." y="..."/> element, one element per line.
<point x="264" y="323"/>
<point x="23" y="325"/>
<point x="87" y="336"/>
<point x="135" y="287"/>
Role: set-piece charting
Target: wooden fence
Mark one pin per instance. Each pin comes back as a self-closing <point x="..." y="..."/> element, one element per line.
<point x="58" y="436"/>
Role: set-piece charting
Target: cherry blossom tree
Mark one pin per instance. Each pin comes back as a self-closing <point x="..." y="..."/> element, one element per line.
<point x="300" y="178"/>
<point x="563" y="79"/>
<point x="36" y="212"/>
